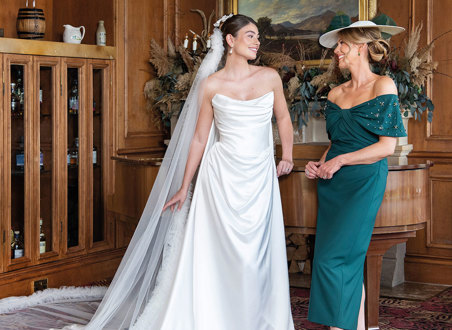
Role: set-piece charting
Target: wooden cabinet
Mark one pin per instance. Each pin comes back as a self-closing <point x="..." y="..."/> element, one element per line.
<point x="55" y="155"/>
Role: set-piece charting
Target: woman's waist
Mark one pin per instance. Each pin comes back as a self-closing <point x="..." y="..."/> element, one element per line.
<point x="339" y="148"/>
<point x="245" y="149"/>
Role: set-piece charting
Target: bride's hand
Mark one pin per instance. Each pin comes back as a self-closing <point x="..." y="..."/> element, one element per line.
<point x="179" y="197"/>
<point x="284" y="167"/>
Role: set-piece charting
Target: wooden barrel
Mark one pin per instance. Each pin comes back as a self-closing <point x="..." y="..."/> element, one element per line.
<point x="31" y="23"/>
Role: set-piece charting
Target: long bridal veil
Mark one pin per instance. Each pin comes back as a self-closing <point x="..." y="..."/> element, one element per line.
<point x="135" y="280"/>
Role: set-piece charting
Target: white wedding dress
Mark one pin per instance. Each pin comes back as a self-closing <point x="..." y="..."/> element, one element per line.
<point x="224" y="258"/>
<point x="231" y="273"/>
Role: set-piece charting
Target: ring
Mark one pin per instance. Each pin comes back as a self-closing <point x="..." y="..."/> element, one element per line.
<point x="324" y="177"/>
<point x="307" y="172"/>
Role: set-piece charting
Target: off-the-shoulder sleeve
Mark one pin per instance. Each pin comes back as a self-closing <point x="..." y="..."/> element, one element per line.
<point x="382" y="116"/>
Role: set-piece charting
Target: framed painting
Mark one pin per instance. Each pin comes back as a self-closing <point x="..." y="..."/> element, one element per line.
<point x="294" y="26"/>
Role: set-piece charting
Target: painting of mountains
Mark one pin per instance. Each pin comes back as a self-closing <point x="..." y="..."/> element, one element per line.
<point x="291" y="25"/>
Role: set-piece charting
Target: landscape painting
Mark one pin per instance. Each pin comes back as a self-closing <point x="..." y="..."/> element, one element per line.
<point x="294" y="26"/>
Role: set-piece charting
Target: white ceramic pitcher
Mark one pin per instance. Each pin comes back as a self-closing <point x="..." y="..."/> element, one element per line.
<point x="73" y="35"/>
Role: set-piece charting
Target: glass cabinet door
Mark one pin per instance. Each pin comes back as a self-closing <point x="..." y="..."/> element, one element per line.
<point x="46" y="102"/>
<point x="99" y="96"/>
<point x="19" y="154"/>
<point x="75" y="114"/>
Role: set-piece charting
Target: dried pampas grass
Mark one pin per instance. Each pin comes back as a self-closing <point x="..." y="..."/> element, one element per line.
<point x="159" y="59"/>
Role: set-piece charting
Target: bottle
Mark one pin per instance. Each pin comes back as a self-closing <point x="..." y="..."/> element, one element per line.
<point x="94" y="155"/>
<point x="68" y="156"/>
<point x="42" y="238"/>
<point x="186" y="41"/>
<point x="41" y="160"/>
<point x="14" y="100"/>
<point x="74" y="153"/>
<point x="20" y="91"/>
<point x="101" y="34"/>
<point x="18" y="247"/>
<point x="20" y="155"/>
<point x="73" y="98"/>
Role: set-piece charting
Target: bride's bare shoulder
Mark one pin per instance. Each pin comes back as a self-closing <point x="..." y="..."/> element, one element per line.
<point x="212" y="84"/>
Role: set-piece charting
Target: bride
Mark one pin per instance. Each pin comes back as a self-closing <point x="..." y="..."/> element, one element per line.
<point x="215" y="257"/>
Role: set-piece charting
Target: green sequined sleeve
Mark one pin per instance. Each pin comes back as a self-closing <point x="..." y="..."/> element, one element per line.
<point x="382" y="116"/>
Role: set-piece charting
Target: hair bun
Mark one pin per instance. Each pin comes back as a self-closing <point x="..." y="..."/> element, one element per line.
<point x="378" y="49"/>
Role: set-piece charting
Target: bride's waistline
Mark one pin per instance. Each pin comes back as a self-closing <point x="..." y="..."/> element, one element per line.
<point x="235" y="153"/>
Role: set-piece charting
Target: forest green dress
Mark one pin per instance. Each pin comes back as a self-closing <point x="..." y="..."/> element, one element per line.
<point x="348" y="205"/>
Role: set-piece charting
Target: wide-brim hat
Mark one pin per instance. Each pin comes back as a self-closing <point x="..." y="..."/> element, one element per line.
<point x="329" y="39"/>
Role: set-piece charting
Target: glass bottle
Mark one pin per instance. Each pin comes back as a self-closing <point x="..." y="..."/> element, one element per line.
<point x="18" y="247"/>
<point x="73" y="98"/>
<point x="94" y="155"/>
<point x="68" y="156"/>
<point x="20" y="91"/>
<point x="74" y="153"/>
<point x="42" y="238"/>
<point x="20" y="155"/>
<point x="101" y="34"/>
<point x="41" y="160"/>
<point x="14" y="100"/>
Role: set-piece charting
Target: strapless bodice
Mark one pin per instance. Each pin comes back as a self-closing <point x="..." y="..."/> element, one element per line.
<point x="244" y="127"/>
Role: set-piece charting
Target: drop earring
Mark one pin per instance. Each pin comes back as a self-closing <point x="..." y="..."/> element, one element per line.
<point x="230" y="51"/>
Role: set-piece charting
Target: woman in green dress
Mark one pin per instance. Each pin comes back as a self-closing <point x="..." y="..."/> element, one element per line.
<point x="363" y="120"/>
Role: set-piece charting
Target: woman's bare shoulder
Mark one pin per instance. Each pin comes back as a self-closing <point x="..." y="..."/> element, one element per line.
<point x="384" y="85"/>
<point x="337" y="92"/>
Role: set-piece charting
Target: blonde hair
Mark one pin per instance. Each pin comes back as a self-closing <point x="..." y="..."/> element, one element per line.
<point x="378" y="48"/>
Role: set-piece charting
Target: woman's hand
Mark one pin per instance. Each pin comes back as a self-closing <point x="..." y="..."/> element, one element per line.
<point x="179" y="197"/>
<point x="284" y="167"/>
<point x="327" y="169"/>
<point x="311" y="170"/>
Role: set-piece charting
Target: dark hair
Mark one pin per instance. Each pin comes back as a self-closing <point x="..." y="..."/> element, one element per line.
<point x="232" y="26"/>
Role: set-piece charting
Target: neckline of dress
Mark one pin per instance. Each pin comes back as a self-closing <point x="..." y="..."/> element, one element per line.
<point x="362" y="103"/>
<point x="231" y="98"/>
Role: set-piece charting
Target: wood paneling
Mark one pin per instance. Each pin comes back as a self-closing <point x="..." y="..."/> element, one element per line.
<point x="138" y="22"/>
<point x="439" y="231"/>
<point x="79" y="271"/>
<point x="87" y="13"/>
<point x="400" y="11"/>
<point x="429" y="255"/>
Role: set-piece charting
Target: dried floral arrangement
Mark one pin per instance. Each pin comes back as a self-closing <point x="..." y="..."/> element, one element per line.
<point x="305" y="88"/>
<point x="410" y="67"/>
<point x="175" y="71"/>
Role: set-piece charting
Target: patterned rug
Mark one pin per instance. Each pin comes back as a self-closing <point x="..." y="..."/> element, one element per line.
<point x="431" y="314"/>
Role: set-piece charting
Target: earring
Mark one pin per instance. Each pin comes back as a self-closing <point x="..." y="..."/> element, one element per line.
<point x="230" y="51"/>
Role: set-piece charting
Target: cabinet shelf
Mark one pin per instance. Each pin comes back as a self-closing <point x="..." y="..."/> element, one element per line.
<point x="21" y="172"/>
<point x="51" y="48"/>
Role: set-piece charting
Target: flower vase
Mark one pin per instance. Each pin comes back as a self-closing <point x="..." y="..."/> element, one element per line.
<point x="403" y="148"/>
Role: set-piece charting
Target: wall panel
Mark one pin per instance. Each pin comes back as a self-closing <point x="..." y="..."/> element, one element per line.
<point x="429" y="254"/>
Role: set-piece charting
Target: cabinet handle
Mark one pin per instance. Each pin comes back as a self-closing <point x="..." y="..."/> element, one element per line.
<point x="4" y="237"/>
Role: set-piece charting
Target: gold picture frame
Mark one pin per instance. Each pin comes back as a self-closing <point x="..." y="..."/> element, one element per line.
<point x="367" y="9"/>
